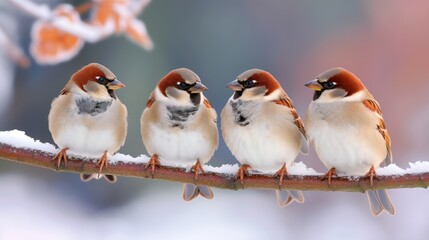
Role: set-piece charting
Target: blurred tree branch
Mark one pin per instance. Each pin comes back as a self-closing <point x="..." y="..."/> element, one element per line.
<point x="218" y="180"/>
<point x="59" y="33"/>
<point x="13" y="50"/>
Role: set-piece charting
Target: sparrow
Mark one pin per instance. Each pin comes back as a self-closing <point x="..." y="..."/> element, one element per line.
<point x="178" y="127"/>
<point x="88" y="118"/>
<point x="262" y="129"/>
<point x="346" y="127"/>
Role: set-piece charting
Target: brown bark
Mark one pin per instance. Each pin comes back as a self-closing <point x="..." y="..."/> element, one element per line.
<point x="218" y="180"/>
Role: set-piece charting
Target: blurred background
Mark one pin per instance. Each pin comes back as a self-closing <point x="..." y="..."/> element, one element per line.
<point x="385" y="43"/>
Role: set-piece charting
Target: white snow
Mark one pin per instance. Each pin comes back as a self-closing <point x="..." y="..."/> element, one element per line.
<point x="414" y="168"/>
<point x="119" y="157"/>
<point x="418" y="167"/>
<point x="226" y="168"/>
<point x="85" y="31"/>
<point x="88" y="32"/>
<point x="19" y="139"/>
<point x="40" y="11"/>
<point x="391" y="169"/>
<point x="299" y="168"/>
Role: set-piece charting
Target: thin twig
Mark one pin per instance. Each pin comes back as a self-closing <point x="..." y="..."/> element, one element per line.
<point x="13" y="50"/>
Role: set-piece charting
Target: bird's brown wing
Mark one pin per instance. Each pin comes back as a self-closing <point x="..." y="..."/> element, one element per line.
<point x="285" y="101"/>
<point x="373" y="105"/>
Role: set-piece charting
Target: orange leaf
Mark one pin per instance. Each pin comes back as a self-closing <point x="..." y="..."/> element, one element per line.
<point x="51" y="45"/>
<point x="136" y="31"/>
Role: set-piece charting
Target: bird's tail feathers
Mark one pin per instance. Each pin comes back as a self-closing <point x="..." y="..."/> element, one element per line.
<point x="86" y="177"/>
<point x="191" y="191"/>
<point x="379" y="201"/>
<point x="286" y="197"/>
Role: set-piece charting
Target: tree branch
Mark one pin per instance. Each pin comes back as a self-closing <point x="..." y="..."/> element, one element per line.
<point x="218" y="180"/>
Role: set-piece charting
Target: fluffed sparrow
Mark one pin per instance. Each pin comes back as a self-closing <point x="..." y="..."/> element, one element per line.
<point x="345" y="125"/>
<point x="88" y="118"/>
<point x="262" y="128"/>
<point x="178" y="127"/>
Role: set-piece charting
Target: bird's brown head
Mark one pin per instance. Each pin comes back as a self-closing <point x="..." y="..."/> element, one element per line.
<point x="335" y="83"/>
<point x="96" y="79"/>
<point x="253" y="84"/>
<point x="182" y="86"/>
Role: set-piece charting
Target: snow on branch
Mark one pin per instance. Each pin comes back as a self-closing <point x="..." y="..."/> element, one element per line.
<point x="16" y="146"/>
<point x="58" y="34"/>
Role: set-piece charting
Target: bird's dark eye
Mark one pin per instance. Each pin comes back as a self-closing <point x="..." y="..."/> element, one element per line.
<point x="183" y="85"/>
<point x="248" y="83"/>
<point x="101" y="80"/>
<point x="329" y="85"/>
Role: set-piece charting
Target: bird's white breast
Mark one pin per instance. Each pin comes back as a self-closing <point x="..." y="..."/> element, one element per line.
<point x="181" y="147"/>
<point x="349" y="142"/>
<point x="86" y="134"/>
<point x="266" y="143"/>
<point x="85" y="140"/>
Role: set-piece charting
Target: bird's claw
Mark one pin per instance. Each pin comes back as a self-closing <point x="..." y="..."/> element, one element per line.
<point x="281" y="174"/>
<point x="371" y="175"/>
<point x="102" y="163"/>
<point x="242" y="171"/>
<point x="60" y="157"/>
<point x="331" y="173"/>
<point x="197" y="168"/>
<point x="153" y="162"/>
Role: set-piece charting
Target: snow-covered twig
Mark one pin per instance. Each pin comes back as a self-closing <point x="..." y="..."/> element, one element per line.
<point x="15" y="146"/>
<point x="59" y="33"/>
<point x="85" y="31"/>
<point x="40" y="11"/>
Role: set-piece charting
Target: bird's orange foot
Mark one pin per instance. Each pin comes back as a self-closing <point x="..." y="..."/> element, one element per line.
<point x="281" y="174"/>
<point x="102" y="163"/>
<point x="153" y="162"/>
<point x="331" y="173"/>
<point x="197" y="168"/>
<point x="371" y="175"/>
<point x="242" y="171"/>
<point x="61" y="156"/>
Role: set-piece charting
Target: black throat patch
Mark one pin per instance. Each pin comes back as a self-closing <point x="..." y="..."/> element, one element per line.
<point x="92" y="107"/>
<point x="195" y="98"/>
<point x="181" y="114"/>
<point x="317" y="94"/>
<point x="242" y="112"/>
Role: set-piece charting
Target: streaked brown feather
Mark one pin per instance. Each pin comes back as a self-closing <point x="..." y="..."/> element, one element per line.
<point x="150" y="101"/>
<point x="287" y="102"/>
<point x="64" y="92"/>
<point x="207" y="103"/>
<point x="373" y="105"/>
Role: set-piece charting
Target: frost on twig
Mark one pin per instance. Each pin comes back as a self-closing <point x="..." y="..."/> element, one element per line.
<point x="58" y="34"/>
<point x="16" y="146"/>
